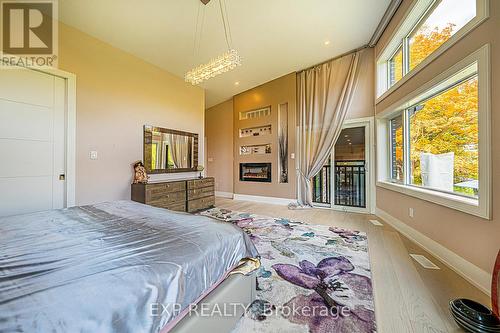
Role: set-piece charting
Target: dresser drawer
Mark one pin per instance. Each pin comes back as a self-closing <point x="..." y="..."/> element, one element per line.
<point x="168" y="198"/>
<point x="176" y="206"/>
<point x="197" y="193"/>
<point x="199" y="204"/>
<point x="199" y="183"/>
<point x="160" y="191"/>
<point x="170" y="187"/>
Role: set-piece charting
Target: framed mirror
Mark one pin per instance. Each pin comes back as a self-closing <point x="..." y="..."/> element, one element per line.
<point x="168" y="150"/>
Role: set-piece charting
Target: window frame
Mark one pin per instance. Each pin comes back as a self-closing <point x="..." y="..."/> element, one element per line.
<point x="389" y="68"/>
<point x="406" y="117"/>
<point x="417" y="26"/>
<point x="392" y="152"/>
<point x="418" y="12"/>
<point x="460" y="72"/>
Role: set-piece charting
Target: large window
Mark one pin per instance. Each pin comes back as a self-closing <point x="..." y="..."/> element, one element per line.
<point x="443" y="21"/>
<point x="443" y="135"/>
<point x="442" y="142"/>
<point x="437" y="139"/>
<point x="429" y="25"/>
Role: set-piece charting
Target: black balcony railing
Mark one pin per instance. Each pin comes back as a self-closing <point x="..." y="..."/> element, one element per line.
<point x="321" y="185"/>
<point x="350" y="184"/>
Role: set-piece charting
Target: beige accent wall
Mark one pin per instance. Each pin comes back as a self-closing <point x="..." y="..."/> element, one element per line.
<point x="219" y="141"/>
<point x="117" y="94"/>
<point x="273" y="93"/>
<point x="476" y="240"/>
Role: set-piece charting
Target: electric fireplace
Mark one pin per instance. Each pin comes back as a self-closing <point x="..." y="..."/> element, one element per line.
<point x="255" y="172"/>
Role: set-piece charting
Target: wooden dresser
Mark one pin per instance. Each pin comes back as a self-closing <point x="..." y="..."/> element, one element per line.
<point x="188" y="195"/>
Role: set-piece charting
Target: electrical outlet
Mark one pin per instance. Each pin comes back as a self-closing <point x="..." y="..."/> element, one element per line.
<point x="292" y="156"/>
<point x="410" y="212"/>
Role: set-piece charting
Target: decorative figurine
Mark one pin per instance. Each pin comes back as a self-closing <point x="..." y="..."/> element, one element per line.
<point x="140" y="175"/>
<point x="200" y="168"/>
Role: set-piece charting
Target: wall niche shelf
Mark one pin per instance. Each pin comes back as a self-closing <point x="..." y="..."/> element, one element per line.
<point x="255" y="131"/>
<point x="255" y="149"/>
<point x="253" y="114"/>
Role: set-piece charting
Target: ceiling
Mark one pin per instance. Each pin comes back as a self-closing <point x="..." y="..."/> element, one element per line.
<point x="273" y="37"/>
<point x="353" y="136"/>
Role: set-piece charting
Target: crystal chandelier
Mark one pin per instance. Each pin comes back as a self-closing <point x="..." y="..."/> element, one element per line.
<point x="223" y="63"/>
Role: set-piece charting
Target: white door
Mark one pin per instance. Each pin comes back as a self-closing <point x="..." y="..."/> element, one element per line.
<point x="32" y="141"/>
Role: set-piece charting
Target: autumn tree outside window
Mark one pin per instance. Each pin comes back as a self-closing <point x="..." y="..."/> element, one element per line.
<point x="435" y="143"/>
<point x="429" y="25"/>
<point x="436" y="140"/>
<point x="439" y="137"/>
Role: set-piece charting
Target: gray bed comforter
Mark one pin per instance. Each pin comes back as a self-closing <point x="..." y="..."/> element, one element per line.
<point x="106" y="267"/>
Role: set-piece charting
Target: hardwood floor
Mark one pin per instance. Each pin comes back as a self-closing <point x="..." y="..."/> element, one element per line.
<point x="408" y="297"/>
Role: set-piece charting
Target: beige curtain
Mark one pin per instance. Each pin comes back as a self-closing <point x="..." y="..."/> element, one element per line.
<point x="178" y="149"/>
<point x="324" y="94"/>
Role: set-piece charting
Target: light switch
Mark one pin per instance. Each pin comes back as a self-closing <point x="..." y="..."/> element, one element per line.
<point x="93" y="155"/>
<point x="292" y="156"/>
<point x="210" y="159"/>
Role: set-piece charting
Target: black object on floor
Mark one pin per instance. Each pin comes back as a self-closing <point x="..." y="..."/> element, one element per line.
<point x="474" y="317"/>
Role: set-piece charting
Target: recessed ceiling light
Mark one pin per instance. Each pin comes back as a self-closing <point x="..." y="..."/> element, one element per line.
<point x="346" y="136"/>
<point x="327" y="42"/>
<point x="237" y="83"/>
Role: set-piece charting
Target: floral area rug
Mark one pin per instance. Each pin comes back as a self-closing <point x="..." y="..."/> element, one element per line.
<point x="312" y="278"/>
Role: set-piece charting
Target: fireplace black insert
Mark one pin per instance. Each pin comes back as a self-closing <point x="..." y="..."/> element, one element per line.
<point x="255" y="172"/>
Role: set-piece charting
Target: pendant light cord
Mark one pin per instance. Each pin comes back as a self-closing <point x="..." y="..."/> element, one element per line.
<point x="228" y="24"/>
<point x="199" y="27"/>
<point x="225" y="23"/>
<point x="198" y="31"/>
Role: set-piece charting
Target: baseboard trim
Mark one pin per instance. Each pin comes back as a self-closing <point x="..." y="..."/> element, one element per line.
<point x="475" y="275"/>
<point x="220" y="194"/>
<point x="261" y="199"/>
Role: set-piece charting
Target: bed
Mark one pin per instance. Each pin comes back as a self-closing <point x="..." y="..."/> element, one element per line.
<point x="112" y="267"/>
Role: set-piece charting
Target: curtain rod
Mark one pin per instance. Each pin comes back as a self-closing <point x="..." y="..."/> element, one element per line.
<point x="335" y="58"/>
<point x="384" y="22"/>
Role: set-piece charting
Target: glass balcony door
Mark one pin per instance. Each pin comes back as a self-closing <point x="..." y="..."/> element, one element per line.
<point x="344" y="181"/>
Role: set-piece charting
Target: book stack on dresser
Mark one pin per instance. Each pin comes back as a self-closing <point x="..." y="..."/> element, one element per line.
<point x="188" y="195"/>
